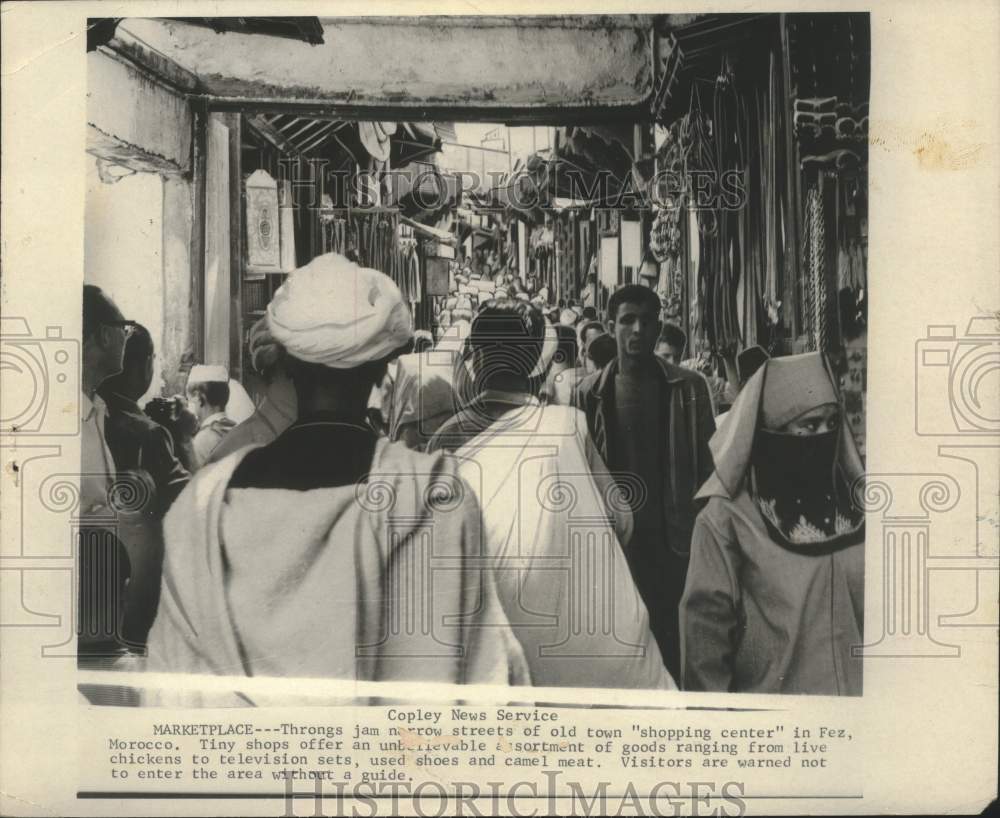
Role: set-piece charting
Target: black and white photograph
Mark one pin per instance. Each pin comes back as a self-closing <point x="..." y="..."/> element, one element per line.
<point x="429" y="379"/>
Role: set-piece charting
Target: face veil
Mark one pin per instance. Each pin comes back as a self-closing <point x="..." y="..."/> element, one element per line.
<point x="797" y="486"/>
<point x="803" y="486"/>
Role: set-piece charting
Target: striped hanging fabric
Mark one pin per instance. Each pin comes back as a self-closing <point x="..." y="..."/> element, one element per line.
<point x="817" y="269"/>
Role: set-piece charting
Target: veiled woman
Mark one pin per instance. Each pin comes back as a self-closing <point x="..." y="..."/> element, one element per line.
<point x="774" y="595"/>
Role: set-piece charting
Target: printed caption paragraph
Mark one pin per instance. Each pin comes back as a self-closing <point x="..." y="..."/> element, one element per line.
<point x="544" y="752"/>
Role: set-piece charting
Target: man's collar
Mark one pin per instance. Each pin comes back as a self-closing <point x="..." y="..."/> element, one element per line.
<point x="604" y="385"/>
<point x="88" y="405"/>
<point x="122" y="402"/>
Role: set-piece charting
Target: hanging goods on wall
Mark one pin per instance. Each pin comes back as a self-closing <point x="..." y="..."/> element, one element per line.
<point x="817" y="288"/>
<point x="263" y="250"/>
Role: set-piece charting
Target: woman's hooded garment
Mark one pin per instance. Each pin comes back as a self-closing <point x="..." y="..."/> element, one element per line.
<point x="774" y="595"/>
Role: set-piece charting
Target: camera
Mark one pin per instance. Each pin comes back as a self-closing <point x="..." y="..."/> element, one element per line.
<point x="41" y="378"/>
<point x="173" y="415"/>
<point x="958" y="379"/>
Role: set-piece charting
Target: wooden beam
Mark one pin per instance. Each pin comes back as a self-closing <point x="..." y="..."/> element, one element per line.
<point x="527" y="115"/>
<point x="264" y="128"/>
<point x="234" y="122"/>
<point x="312" y="123"/>
<point x="322" y="135"/>
<point x="199" y="146"/>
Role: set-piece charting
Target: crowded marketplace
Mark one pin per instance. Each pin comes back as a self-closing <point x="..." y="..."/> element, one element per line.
<point x="502" y="351"/>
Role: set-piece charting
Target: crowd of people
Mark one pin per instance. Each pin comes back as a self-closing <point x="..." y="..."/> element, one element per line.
<point x="541" y="495"/>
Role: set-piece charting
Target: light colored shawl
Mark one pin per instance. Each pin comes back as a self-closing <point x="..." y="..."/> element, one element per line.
<point x="270" y="582"/>
<point x="562" y="576"/>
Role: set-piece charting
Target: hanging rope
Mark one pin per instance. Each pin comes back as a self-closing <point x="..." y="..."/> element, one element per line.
<point x="817" y="268"/>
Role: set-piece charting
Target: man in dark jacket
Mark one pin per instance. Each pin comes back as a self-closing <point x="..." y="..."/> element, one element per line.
<point x="137" y="442"/>
<point x="651" y="422"/>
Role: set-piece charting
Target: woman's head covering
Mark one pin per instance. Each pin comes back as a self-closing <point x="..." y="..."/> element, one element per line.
<point x="795" y="385"/>
<point x="780" y="391"/>
<point x="335" y="313"/>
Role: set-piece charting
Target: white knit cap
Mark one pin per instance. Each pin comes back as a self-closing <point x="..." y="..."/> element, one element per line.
<point x="335" y="313"/>
<point x="207" y="373"/>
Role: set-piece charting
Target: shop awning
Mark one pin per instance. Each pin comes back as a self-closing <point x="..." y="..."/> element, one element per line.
<point x="690" y="47"/>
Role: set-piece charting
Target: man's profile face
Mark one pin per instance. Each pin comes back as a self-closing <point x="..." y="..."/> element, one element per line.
<point x="668" y="352"/>
<point x="590" y="334"/>
<point x="636" y="328"/>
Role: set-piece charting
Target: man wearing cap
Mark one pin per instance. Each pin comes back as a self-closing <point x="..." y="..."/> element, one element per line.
<point x="523" y="460"/>
<point x="325" y="558"/>
<point x="208" y="394"/>
<point x="277" y="410"/>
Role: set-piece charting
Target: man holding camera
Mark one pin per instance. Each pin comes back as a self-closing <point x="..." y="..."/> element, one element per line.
<point x="136" y="441"/>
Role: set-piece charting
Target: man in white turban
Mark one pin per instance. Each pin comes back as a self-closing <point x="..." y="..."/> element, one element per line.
<point x="284" y="562"/>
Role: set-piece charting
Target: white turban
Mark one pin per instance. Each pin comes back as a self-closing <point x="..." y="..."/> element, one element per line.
<point x="335" y="313"/>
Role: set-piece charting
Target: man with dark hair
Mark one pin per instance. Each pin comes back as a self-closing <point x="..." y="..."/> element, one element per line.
<point x="296" y="558"/>
<point x="507" y="342"/>
<point x="588" y="313"/>
<point x="589" y="330"/>
<point x="208" y="394"/>
<point x="671" y="344"/>
<point x="651" y="421"/>
<point x="104" y="334"/>
<point x="506" y="442"/>
<point x="136" y="441"/>
<point x="119" y="550"/>
<point x="601" y="351"/>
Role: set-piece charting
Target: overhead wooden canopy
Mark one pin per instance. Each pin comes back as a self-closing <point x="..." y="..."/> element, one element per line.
<point x="512" y="69"/>
<point x="690" y="48"/>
